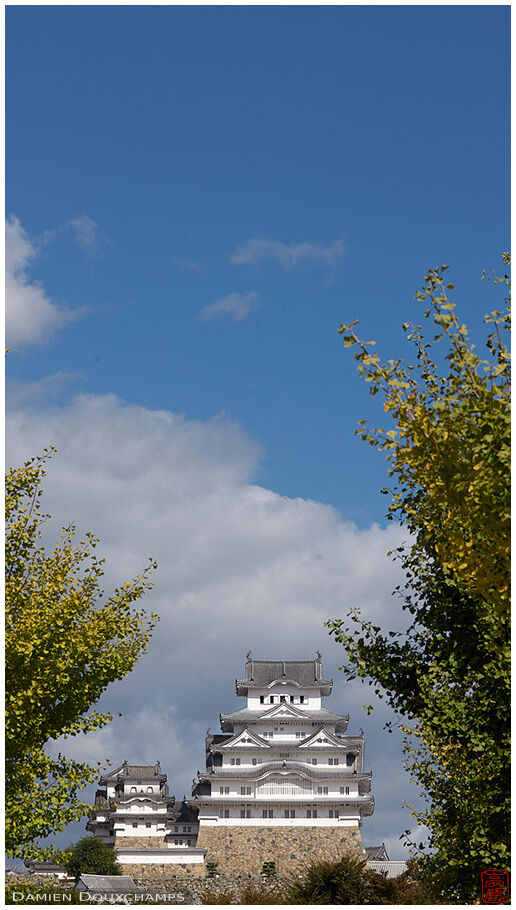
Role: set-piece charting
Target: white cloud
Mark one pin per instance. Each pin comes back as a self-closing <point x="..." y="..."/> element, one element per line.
<point x="237" y="305"/>
<point x="288" y="255"/>
<point x="239" y="567"/>
<point x="86" y="233"/>
<point x="30" y="316"/>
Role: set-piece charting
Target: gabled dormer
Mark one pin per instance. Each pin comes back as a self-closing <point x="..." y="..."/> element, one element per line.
<point x="322" y="738"/>
<point x="283" y="711"/>
<point x="246" y="739"/>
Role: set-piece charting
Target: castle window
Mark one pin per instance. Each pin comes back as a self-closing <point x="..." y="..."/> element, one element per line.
<point x="283" y="699"/>
<point x="290" y="813"/>
<point x="224" y="813"/>
<point x="291" y="699"/>
<point x="271" y="699"/>
<point x="245" y="791"/>
<point x="135" y="824"/>
<point x="314" y="761"/>
<point x="262" y="699"/>
<point x="301" y="699"/>
<point x="331" y="814"/>
<point x="149" y="789"/>
<point x="350" y="759"/>
<point x="133" y="789"/>
<point x="333" y="761"/>
<point x="323" y="791"/>
<point x="311" y="813"/>
<point x="147" y="824"/>
<point x="254" y="761"/>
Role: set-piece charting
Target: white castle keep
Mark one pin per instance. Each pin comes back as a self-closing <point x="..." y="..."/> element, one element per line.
<point x="284" y="760"/>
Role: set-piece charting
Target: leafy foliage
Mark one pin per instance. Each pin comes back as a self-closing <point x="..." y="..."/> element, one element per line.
<point x="448" y="675"/>
<point x="64" y="645"/>
<point x="351" y="881"/>
<point x="92" y="855"/>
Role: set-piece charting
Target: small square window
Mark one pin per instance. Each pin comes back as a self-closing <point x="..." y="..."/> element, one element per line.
<point x="254" y="761"/>
<point x="262" y="699"/>
<point x="314" y="761"/>
<point x="147" y="824"/>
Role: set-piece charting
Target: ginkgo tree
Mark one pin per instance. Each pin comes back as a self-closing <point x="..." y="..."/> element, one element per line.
<point x="65" y="642"/>
<point x="447" y="676"/>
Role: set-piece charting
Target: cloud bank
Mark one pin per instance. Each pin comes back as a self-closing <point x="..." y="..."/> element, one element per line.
<point x="236" y="305"/>
<point x="240" y="567"/>
<point x="288" y="256"/>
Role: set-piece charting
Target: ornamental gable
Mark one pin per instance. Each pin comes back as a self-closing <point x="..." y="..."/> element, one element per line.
<point x="322" y="738"/>
<point x="247" y="739"/>
<point x="285" y="711"/>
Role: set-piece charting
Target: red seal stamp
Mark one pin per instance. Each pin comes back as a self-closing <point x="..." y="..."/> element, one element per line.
<point x="495" y="886"/>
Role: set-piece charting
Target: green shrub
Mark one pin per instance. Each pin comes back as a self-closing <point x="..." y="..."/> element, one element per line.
<point x="348" y="881"/>
<point x="92" y="855"/>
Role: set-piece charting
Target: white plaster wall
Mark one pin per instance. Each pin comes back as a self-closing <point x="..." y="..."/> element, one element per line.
<point x="171" y="855"/>
<point x="311" y="699"/>
<point x="344" y="822"/>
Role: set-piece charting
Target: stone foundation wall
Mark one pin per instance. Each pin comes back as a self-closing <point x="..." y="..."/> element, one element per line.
<point x="145" y="842"/>
<point x="170" y="872"/>
<point x="242" y="850"/>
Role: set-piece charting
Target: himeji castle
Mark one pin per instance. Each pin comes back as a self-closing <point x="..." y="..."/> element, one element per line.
<point x="284" y="782"/>
<point x="284" y="778"/>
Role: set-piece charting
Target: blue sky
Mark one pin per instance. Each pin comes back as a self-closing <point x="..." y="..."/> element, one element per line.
<point x="198" y="196"/>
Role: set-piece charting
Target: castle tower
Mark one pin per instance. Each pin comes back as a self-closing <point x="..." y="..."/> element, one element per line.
<point x="283" y="781"/>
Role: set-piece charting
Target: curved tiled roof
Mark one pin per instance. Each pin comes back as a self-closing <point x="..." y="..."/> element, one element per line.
<point x="260" y="674"/>
<point x="316" y="716"/>
<point x="134" y="773"/>
<point x="314" y="772"/>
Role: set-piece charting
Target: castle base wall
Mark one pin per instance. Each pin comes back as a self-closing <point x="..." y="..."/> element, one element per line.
<point x="152" y="840"/>
<point x="159" y="872"/>
<point x="238" y="849"/>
